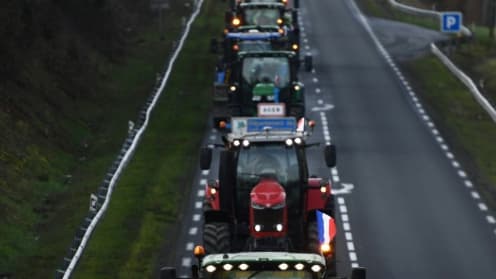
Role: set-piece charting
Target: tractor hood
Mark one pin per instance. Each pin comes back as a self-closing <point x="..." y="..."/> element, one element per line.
<point x="268" y="193"/>
<point x="264" y="89"/>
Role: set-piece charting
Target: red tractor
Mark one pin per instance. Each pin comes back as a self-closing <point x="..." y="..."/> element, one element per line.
<point x="264" y="198"/>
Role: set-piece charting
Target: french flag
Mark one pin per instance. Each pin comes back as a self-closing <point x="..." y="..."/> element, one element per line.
<point x="326" y="227"/>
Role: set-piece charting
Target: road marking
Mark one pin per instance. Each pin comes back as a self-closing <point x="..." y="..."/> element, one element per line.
<point x="350" y="245"/>
<point x="326" y="107"/>
<point x="205" y="172"/>
<point x="469" y="184"/>
<point x="482" y="206"/>
<point x="307" y="48"/>
<point x="196" y="217"/>
<point x="475" y="195"/>
<point x="353" y="256"/>
<point x="439" y="139"/>
<point x="213" y="137"/>
<point x="340" y="200"/>
<point x="490" y="219"/>
<point x="198" y="205"/>
<point x="203" y="182"/>
<point x="462" y="174"/>
<point x="335" y="178"/>
<point x="201" y="193"/>
<point x="345" y="218"/>
<point x="347" y="188"/>
<point x="346" y="226"/>
<point x="320" y="102"/>
<point x="186" y="262"/>
<point x="315" y="80"/>
<point x="193" y="230"/>
<point x="317" y="90"/>
<point x="355" y="265"/>
<point x="189" y="246"/>
<point x="334" y="171"/>
<point x="348" y="236"/>
<point x="343" y="209"/>
<point x="450" y="155"/>
<point x="455" y="164"/>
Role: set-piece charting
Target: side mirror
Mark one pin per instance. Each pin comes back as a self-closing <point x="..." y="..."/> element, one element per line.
<point x="214" y="46"/>
<point x="167" y="272"/>
<point x="330" y="155"/>
<point x="205" y="158"/>
<point x="308" y="61"/>
<point x="358" y="273"/>
<point x="294" y="17"/>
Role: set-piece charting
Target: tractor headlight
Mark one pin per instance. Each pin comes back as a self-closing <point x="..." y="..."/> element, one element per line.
<point x="227" y="267"/>
<point x="232" y="88"/>
<point x="316" y="268"/>
<point x="297" y="87"/>
<point x="279" y="227"/>
<point x="299" y="266"/>
<point x="279" y="21"/>
<point x="243" y="266"/>
<point x="210" y="268"/>
<point x="289" y="142"/>
<point x="283" y="266"/>
<point x="236" y="143"/>
<point x="246" y="143"/>
<point x="257" y="227"/>
<point x="298" y="141"/>
<point x="294" y="46"/>
<point x="326" y="249"/>
<point x="323" y="189"/>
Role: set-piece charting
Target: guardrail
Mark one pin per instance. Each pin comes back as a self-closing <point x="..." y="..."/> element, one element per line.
<point x="446" y="61"/>
<point x="465" y="80"/>
<point x="101" y="200"/>
<point x="425" y="13"/>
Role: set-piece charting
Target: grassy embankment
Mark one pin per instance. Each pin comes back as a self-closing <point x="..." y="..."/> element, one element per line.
<point x="58" y="139"/>
<point x="129" y="240"/>
<point x="468" y="128"/>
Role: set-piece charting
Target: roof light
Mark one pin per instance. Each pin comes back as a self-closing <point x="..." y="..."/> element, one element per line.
<point x="232" y="88"/>
<point x="297" y="87"/>
<point x="325" y="248"/>
<point x="199" y="251"/>
<point x="289" y="142"/>
<point x="257" y="227"/>
<point x="236" y="21"/>
<point x="227" y="266"/>
<point x="316" y="268"/>
<point x="236" y="143"/>
<point x="294" y="46"/>
<point x="210" y="268"/>
<point x="298" y="141"/>
<point x="243" y="266"/>
<point x="281" y="31"/>
<point x="279" y="21"/>
<point x="279" y="227"/>
<point x="283" y="266"/>
<point x="246" y="143"/>
<point x="222" y="124"/>
<point x="235" y="47"/>
<point x="299" y="266"/>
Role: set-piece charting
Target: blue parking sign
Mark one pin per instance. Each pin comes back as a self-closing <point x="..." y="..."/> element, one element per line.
<point x="451" y="22"/>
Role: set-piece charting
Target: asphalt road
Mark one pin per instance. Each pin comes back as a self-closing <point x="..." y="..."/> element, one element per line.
<point x="412" y="213"/>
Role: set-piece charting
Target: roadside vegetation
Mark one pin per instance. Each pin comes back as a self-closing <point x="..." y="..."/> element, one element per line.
<point x="466" y="125"/>
<point x="73" y="74"/>
<point x="136" y="234"/>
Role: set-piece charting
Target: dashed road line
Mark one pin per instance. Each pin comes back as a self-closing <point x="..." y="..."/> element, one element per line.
<point x="190" y="246"/>
<point x="193" y="231"/>
<point x="186" y="262"/>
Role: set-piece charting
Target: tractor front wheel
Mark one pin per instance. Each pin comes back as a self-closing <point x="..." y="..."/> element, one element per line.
<point x="216" y="238"/>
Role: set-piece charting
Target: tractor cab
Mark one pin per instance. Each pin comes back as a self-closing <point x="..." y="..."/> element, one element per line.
<point x="264" y="198"/>
<point x="265" y="77"/>
<point x="256" y="14"/>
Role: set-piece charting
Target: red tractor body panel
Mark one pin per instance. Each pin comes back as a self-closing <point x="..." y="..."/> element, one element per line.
<point x="316" y="198"/>
<point x="212" y="196"/>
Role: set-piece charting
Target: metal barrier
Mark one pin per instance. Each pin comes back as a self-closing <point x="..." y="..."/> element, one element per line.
<point x="104" y="192"/>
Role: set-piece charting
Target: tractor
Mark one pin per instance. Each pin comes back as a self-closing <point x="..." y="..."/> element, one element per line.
<point x="264" y="198"/>
<point x="259" y="265"/>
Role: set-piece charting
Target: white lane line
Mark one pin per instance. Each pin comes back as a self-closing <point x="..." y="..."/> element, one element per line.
<point x="355" y="265"/>
<point x="450" y="155"/>
<point x="203" y="182"/>
<point x="205" y="172"/>
<point x="468" y="184"/>
<point x="335" y="178"/>
<point x="193" y="230"/>
<point x="475" y="195"/>
<point x="189" y="246"/>
<point x="315" y="80"/>
<point x="482" y="206"/>
<point x="201" y="193"/>
<point x="353" y="256"/>
<point x="340" y="200"/>
<point x="213" y="137"/>
<point x="455" y="164"/>
<point x="198" y="205"/>
<point x="444" y="147"/>
<point x="346" y="227"/>
<point x="348" y="236"/>
<point x="345" y="217"/>
<point x="317" y="90"/>
<point x="307" y="48"/>
<point x="196" y="217"/>
<point x="334" y="171"/>
<point x="320" y="102"/>
<point x="350" y="245"/>
<point x="186" y="262"/>
<point x="343" y="209"/>
<point x="491" y="219"/>
<point x="462" y="174"/>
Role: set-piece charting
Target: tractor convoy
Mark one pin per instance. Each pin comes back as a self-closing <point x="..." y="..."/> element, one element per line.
<point x="264" y="215"/>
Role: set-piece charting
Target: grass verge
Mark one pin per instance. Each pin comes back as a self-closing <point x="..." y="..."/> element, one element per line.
<point x="128" y="241"/>
<point x="467" y="127"/>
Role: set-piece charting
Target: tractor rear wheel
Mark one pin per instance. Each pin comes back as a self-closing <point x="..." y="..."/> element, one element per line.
<point x="313" y="238"/>
<point x="216" y="238"/>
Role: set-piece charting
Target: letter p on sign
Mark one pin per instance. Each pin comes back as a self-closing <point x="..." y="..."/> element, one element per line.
<point x="451" y="22"/>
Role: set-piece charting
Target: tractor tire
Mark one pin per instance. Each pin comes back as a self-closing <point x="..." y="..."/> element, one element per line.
<point x="216" y="238"/>
<point x="313" y="243"/>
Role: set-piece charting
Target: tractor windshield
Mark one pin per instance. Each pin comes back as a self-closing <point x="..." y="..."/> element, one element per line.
<point x="273" y="70"/>
<point x="261" y="16"/>
<point x="262" y="274"/>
